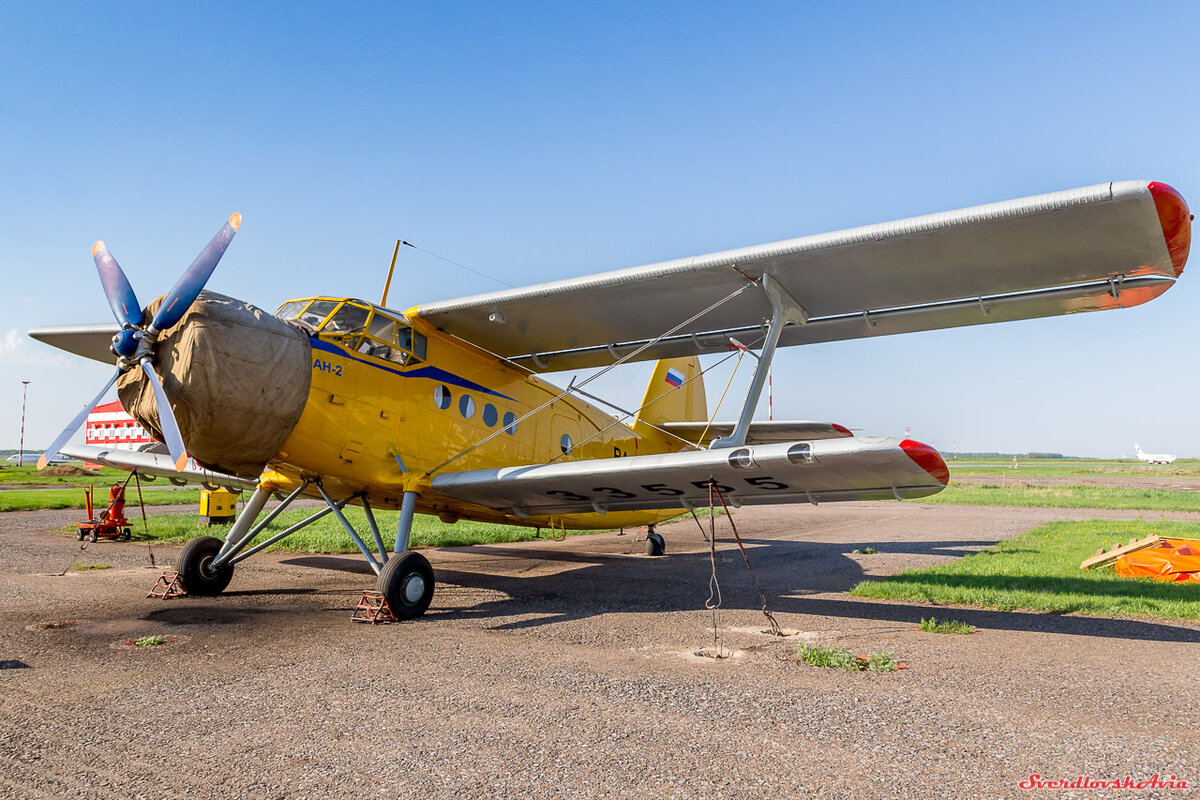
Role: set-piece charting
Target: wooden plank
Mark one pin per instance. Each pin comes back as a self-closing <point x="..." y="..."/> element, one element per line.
<point x="1102" y="558"/>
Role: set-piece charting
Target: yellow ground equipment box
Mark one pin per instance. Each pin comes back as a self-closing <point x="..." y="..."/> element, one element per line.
<point x="217" y="507"/>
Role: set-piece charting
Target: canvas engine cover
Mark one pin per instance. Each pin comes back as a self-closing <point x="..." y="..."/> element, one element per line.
<point x="237" y="378"/>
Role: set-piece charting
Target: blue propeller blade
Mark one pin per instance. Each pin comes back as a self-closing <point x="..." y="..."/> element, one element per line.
<point x="124" y="302"/>
<point x="53" y="449"/>
<point x="189" y="285"/>
<point x="166" y="419"/>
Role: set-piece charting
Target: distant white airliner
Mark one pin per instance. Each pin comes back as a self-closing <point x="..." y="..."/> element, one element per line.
<point x="1153" y="458"/>
<point x="32" y="458"/>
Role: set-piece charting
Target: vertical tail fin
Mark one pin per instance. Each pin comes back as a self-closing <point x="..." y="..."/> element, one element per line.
<point x="675" y="392"/>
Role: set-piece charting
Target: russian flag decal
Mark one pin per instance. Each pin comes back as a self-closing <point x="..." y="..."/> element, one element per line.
<point x="674" y="376"/>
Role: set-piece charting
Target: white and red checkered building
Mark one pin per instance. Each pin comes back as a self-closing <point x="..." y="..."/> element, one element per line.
<point x="109" y="426"/>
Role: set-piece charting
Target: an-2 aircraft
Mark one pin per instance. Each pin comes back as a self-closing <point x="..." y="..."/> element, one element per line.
<point x="439" y="409"/>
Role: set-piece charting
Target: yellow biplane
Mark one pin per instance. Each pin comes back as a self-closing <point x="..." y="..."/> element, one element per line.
<point x="439" y="409"/>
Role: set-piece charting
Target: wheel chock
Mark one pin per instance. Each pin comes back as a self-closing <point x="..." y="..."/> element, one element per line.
<point x="169" y="585"/>
<point x="373" y="608"/>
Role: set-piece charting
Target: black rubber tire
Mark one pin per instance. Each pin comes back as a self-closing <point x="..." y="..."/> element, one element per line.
<point x="127" y="534"/>
<point x="92" y="535"/>
<point x="193" y="565"/>
<point x="79" y="534"/>
<point x="655" y="545"/>
<point x="395" y="583"/>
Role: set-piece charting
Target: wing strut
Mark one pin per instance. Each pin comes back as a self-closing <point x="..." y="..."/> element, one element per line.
<point x="784" y="309"/>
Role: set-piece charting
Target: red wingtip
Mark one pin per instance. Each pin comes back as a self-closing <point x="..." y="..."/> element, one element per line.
<point x="1176" y="221"/>
<point x="927" y="459"/>
<point x="842" y="429"/>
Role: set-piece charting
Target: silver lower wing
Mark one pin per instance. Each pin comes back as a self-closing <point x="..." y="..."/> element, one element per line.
<point x="829" y="470"/>
<point x="761" y="432"/>
<point x="153" y="465"/>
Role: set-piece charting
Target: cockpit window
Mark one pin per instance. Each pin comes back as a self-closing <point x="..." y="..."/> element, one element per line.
<point x="348" y="319"/>
<point x="359" y="326"/>
<point x="317" y="311"/>
<point x="291" y="310"/>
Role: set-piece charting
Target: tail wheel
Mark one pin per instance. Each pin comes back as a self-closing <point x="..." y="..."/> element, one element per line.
<point x="194" y="564"/>
<point x="407" y="583"/>
<point x="655" y="545"/>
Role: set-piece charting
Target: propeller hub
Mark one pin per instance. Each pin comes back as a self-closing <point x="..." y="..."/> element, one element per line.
<point x="125" y="343"/>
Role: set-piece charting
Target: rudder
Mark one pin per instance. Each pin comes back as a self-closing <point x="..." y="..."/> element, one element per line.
<point x="675" y="392"/>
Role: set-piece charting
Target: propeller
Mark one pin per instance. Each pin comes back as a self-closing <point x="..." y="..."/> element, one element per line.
<point x="134" y="344"/>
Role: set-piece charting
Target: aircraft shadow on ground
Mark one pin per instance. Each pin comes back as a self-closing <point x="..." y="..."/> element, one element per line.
<point x="789" y="572"/>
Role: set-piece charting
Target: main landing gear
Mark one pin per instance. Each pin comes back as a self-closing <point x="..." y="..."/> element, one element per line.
<point x="406" y="582"/>
<point x="206" y="564"/>
<point x="196" y="570"/>
<point x="655" y="544"/>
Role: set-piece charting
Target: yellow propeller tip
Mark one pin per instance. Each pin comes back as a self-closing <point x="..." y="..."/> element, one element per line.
<point x="96" y="248"/>
<point x="235" y="221"/>
<point x="42" y="462"/>
<point x="181" y="462"/>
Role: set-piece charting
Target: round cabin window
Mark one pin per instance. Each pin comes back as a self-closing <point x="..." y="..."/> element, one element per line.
<point x="565" y="444"/>
<point x="510" y="423"/>
<point x="441" y="397"/>
<point x="490" y="415"/>
<point x="466" y="406"/>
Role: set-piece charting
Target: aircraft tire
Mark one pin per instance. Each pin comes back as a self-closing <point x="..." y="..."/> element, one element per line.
<point x="655" y="545"/>
<point x="406" y="581"/>
<point x="193" y="564"/>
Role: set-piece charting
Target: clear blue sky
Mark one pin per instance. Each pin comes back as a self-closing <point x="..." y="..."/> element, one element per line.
<point x="536" y="141"/>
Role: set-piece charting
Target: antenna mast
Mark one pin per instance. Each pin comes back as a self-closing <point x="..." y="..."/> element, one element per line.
<point x="391" y="269"/>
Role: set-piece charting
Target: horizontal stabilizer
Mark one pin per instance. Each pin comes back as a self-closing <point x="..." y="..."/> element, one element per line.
<point x="869" y="468"/>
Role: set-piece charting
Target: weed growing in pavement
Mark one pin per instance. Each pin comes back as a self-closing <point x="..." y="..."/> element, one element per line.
<point x="149" y="641"/>
<point x="841" y="658"/>
<point x="80" y="567"/>
<point x="866" y="551"/>
<point x="932" y="625"/>
<point x="882" y="662"/>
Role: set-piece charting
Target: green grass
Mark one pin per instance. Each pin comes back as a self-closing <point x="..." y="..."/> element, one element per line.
<point x="841" y="658"/>
<point x="328" y="536"/>
<point x="951" y="626"/>
<point x="1055" y="467"/>
<point x="80" y="567"/>
<point x="149" y="641"/>
<point x="41" y="499"/>
<point x="1039" y="571"/>
<point x="1064" y="497"/>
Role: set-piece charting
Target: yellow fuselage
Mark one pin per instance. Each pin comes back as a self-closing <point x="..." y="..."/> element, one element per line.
<point x="378" y="427"/>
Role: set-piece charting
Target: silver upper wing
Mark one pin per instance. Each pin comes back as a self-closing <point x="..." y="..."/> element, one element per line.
<point x="869" y="468"/>
<point x="1106" y="246"/>
<point x="157" y="465"/>
<point x="89" y="341"/>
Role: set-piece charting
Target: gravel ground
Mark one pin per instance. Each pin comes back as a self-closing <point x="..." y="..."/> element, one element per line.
<point x="569" y="669"/>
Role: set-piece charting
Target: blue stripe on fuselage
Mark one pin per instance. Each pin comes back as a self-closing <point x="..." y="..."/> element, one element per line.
<point x="433" y="373"/>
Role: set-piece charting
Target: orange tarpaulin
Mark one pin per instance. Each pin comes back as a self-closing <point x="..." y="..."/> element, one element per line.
<point x="1170" y="560"/>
